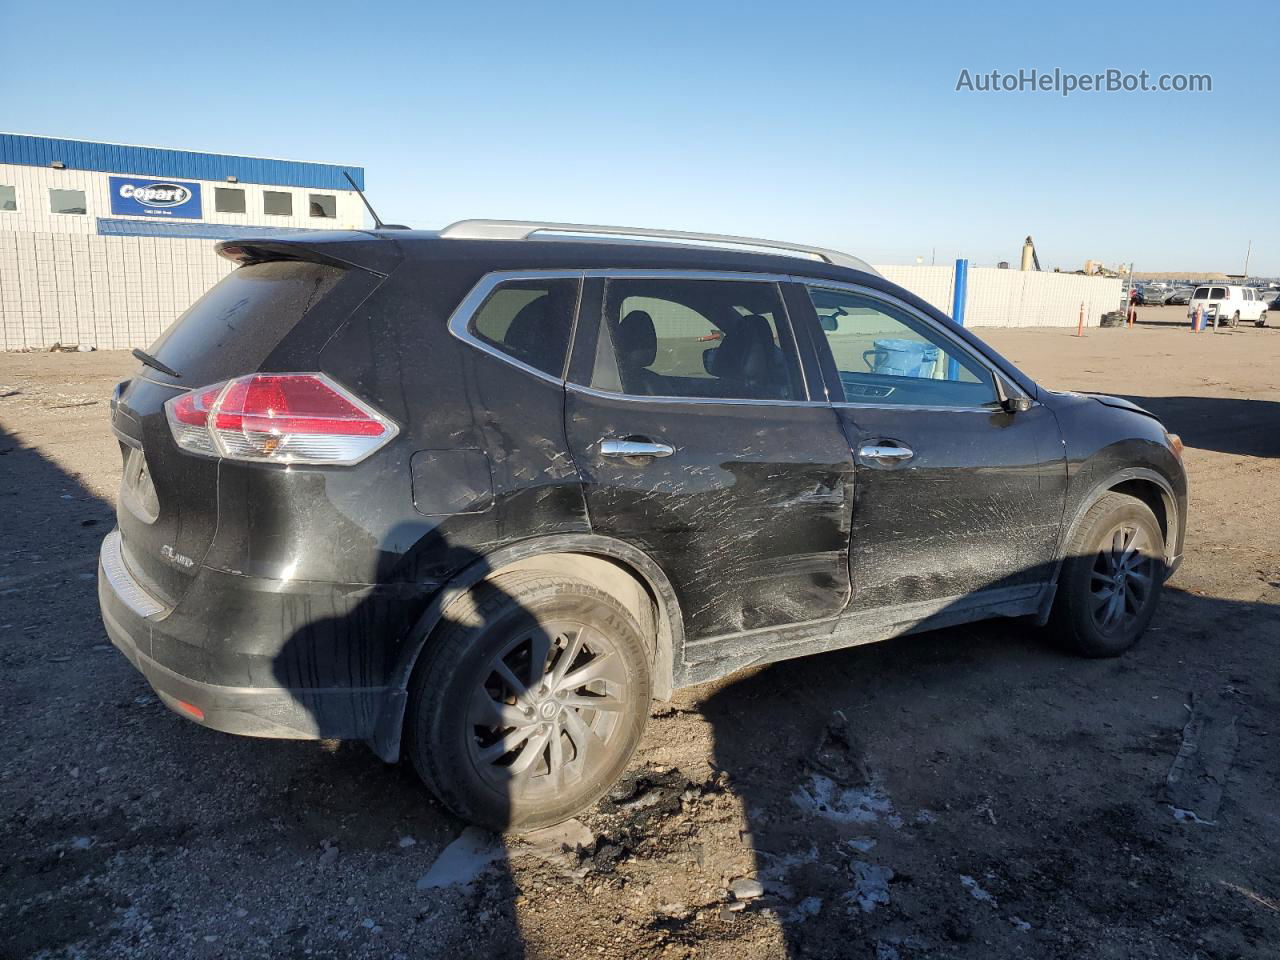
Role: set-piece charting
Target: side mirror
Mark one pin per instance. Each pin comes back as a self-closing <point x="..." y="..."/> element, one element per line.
<point x="829" y="323"/>
<point x="1015" y="403"/>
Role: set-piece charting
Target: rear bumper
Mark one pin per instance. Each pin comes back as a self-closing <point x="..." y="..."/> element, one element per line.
<point x="219" y="656"/>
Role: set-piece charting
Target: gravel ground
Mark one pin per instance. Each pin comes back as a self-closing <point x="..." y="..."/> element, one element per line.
<point x="967" y="793"/>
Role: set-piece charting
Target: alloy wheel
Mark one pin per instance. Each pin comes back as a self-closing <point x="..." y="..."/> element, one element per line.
<point x="1122" y="580"/>
<point x="547" y="710"/>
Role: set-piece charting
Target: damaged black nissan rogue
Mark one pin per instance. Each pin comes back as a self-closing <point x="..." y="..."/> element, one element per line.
<point x="478" y="496"/>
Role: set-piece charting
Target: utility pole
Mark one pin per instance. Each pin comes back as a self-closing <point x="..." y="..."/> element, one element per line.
<point x="1246" y="260"/>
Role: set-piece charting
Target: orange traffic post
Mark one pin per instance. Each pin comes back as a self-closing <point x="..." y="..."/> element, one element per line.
<point x="1080" y="325"/>
<point x="1196" y="324"/>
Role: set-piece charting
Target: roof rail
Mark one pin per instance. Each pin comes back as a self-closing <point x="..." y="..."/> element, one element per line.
<point x="525" y="229"/>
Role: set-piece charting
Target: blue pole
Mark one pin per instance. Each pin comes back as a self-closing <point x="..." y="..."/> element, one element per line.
<point x="959" y="294"/>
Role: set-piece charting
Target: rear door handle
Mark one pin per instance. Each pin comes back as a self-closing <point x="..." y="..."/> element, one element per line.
<point x="884" y="453"/>
<point x="635" y="448"/>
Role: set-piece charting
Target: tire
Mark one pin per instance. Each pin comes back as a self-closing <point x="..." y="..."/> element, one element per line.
<point x="1085" y="614"/>
<point x="564" y="752"/>
<point x="1262" y="320"/>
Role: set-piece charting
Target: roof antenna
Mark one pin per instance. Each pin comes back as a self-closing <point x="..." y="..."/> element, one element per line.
<point x="377" y="221"/>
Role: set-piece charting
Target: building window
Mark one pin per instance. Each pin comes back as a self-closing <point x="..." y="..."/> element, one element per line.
<point x="228" y="200"/>
<point x="67" y="201"/>
<point x="277" y="204"/>
<point x="8" y="197"/>
<point x="323" y="205"/>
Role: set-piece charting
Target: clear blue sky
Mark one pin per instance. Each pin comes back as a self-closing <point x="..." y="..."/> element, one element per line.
<point x="835" y="123"/>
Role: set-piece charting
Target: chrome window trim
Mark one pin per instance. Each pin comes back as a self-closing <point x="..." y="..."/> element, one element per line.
<point x="932" y="325"/>
<point x="607" y="395"/>
<point x="929" y="408"/>
<point x="631" y="273"/>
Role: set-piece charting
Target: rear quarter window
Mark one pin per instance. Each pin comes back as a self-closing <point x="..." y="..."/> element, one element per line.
<point x="530" y="321"/>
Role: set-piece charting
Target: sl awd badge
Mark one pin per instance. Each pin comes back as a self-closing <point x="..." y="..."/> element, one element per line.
<point x="171" y="554"/>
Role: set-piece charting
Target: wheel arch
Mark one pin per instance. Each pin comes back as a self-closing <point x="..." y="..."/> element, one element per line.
<point x="1147" y="485"/>
<point x="1144" y="484"/>
<point x="628" y="572"/>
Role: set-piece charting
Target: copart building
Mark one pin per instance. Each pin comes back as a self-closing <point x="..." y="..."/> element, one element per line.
<point x="103" y="245"/>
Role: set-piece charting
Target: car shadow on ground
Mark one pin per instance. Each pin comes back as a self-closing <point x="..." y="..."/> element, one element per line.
<point x="1220" y="424"/>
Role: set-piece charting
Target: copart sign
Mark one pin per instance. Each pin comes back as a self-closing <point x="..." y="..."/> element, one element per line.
<point x="155" y="198"/>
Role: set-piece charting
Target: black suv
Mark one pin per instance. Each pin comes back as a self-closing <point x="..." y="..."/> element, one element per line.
<point x="480" y="495"/>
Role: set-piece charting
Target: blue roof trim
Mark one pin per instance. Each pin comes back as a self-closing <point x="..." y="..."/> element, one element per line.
<point x="108" y="227"/>
<point x="174" y="164"/>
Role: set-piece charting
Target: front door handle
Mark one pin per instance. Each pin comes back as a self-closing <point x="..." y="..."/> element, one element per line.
<point x="634" y="448"/>
<point x="884" y="453"/>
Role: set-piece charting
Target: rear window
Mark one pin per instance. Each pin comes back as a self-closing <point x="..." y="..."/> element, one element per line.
<point x="233" y="327"/>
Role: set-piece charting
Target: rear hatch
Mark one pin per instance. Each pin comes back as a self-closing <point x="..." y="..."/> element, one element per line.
<point x="273" y="313"/>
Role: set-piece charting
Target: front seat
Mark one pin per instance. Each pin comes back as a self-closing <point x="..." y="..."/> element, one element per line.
<point x="749" y="363"/>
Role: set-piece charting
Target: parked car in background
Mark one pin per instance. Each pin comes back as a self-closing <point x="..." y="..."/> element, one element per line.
<point x="1233" y="304"/>
<point x="1151" y="294"/>
<point x="1179" y="296"/>
<point x="476" y="498"/>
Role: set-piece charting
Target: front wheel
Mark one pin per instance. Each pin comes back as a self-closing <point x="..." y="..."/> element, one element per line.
<point x="529" y="700"/>
<point x="1111" y="577"/>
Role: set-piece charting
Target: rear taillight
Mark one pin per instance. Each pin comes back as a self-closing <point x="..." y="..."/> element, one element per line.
<point x="278" y="418"/>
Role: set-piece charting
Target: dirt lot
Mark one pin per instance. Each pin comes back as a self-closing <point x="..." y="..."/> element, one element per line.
<point x="967" y="793"/>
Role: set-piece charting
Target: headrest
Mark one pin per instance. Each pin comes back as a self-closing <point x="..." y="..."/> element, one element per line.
<point x="527" y="336"/>
<point x="637" y="340"/>
<point x="746" y="352"/>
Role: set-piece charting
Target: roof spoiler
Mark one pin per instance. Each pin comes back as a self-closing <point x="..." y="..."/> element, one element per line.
<point x="366" y="251"/>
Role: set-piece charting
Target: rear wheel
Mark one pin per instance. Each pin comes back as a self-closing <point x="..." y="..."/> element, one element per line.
<point x="1111" y="578"/>
<point x="529" y="701"/>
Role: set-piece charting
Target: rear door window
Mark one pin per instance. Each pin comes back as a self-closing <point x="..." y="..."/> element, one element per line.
<point x="529" y="321"/>
<point x="1218" y="293"/>
<point x="701" y="339"/>
<point x="1202" y="293"/>
<point x="887" y="355"/>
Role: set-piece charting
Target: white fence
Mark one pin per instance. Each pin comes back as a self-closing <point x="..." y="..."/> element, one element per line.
<point x="115" y="293"/>
<point x="1012" y="298"/>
